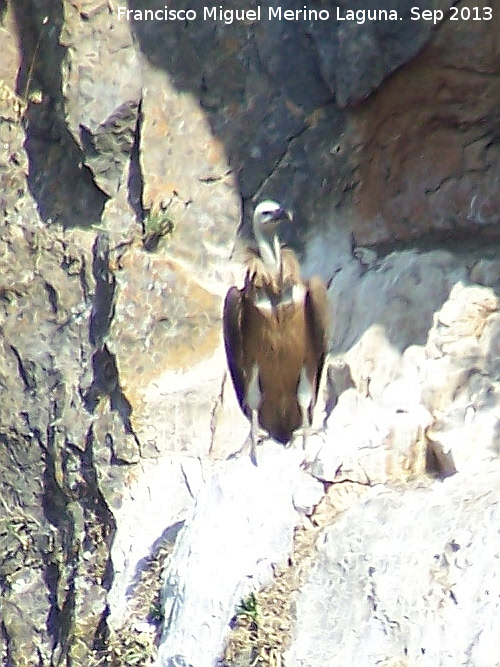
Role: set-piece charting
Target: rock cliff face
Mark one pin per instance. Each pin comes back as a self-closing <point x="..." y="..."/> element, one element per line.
<point x="131" y="152"/>
<point x="428" y="598"/>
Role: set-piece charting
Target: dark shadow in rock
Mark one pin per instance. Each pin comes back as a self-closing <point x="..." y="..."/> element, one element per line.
<point x="162" y="546"/>
<point x="60" y="182"/>
<point x="100" y="521"/>
<point x="55" y="503"/>
<point x="108" y="148"/>
<point x="106" y="383"/>
<point x="105" y="380"/>
<point x="105" y="377"/>
<point x="469" y="244"/>
<point x="338" y="379"/>
<point x="135" y="179"/>
<point x="437" y="463"/>
<point x="120" y="403"/>
<point x="105" y="285"/>
<point x="78" y="532"/>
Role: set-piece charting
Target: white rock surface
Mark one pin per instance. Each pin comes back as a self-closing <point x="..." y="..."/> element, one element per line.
<point x="242" y="524"/>
<point x="369" y="443"/>
<point x="400" y="292"/>
<point x="387" y="589"/>
<point x="194" y="411"/>
<point x="443" y="397"/>
<point x="159" y="496"/>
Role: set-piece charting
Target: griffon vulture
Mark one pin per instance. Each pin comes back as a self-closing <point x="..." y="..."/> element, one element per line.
<point x="275" y="334"/>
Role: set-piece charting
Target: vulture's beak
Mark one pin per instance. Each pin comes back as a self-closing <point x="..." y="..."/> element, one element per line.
<point x="282" y="214"/>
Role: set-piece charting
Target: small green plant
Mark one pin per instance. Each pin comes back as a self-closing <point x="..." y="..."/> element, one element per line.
<point x="133" y="650"/>
<point x="156" y="225"/>
<point x="249" y="607"/>
<point x="156" y="613"/>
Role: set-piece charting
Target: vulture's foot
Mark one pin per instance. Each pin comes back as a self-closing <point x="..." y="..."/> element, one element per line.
<point x="250" y="446"/>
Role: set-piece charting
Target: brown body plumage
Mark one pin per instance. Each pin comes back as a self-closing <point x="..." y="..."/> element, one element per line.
<point x="275" y="332"/>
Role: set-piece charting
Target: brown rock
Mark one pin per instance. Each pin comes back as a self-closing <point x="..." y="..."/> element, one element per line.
<point x="424" y="131"/>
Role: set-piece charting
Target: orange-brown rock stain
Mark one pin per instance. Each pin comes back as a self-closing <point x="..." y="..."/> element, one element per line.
<point x="164" y="320"/>
<point x="426" y="156"/>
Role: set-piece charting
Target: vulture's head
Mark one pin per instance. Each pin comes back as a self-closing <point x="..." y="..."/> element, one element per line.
<point x="267" y="217"/>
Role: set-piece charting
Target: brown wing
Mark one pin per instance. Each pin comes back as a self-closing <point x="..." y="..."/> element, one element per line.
<point x="317" y="315"/>
<point x="233" y="342"/>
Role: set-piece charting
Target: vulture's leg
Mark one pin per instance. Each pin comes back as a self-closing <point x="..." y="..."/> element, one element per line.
<point x="254" y="397"/>
<point x="305" y="397"/>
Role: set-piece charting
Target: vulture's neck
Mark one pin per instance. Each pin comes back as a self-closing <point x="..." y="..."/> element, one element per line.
<point x="269" y="251"/>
